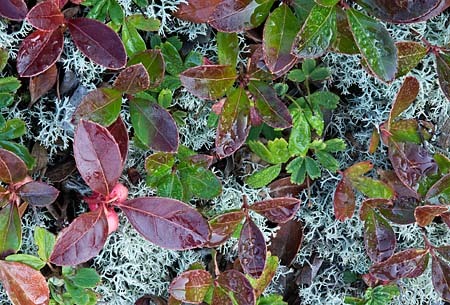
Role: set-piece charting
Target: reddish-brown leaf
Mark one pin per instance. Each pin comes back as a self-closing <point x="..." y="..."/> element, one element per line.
<point x="252" y="249"/>
<point x="278" y="210"/>
<point x="401" y="190"/>
<point x="283" y="187"/>
<point x="446" y="219"/>
<point x="402" y="210"/>
<point x="12" y="168"/>
<point x="372" y="203"/>
<point x="98" y="42"/>
<point x="410" y="53"/>
<point x="197" y="11"/>
<point x="406" y="264"/>
<point x="153" y="62"/>
<point x="133" y="79"/>
<point x="221" y="297"/>
<point x="191" y="286"/>
<point x="120" y="133"/>
<point x="13" y="9"/>
<point x="235" y="283"/>
<point x="39" y="52"/>
<point x="286" y="242"/>
<point x="379" y="238"/>
<point x="23" y="284"/>
<point x="82" y="240"/>
<point x="42" y="83"/>
<point x="97" y="156"/>
<point x="405" y="96"/>
<point x="440" y="271"/>
<point x="168" y="223"/>
<point x="222" y="226"/>
<point x="426" y="213"/>
<point x="358" y="169"/>
<point x="444" y="251"/>
<point x="443" y="71"/>
<point x="46" y="16"/>
<point x="344" y="200"/>
<point x="38" y="193"/>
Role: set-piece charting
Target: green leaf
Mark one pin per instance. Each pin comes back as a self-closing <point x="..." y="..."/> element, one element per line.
<point x="297" y="169"/>
<point x="327" y="161"/>
<point x="314" y="117"/>
<point x="227" y="48"/>
<point x="45" y="242"/>
<point x="320" y="74"/>
<point x="85" y="278"/>
<point x="174" y="63"/>
<point x="410" y="53"/>
<point x="132" y="40"/>
<point x="275" y="152"/>
<point x="3" y="58"/>
<point x="372" y="188"/>
<point x="263" y="177"/>
<point x="354" y="301"/>
<point x="375" y="44"/>
<point x="9" y="84"/>
<point x="326" y="99"/>
<point x="296" y="75"/>
<point x="312" y="168"/>
<point x="30" y="260"/>
<point x="272" y="299"/>
<point x="308" y="66"/>
<point x="381" y="295"/>
<point x="259" y="284"/>
<point x="327" y="2"/>
<point x="143" y="23"/>
<point x="165" y="97"/>
<point x="13" y="129"/>
<point x="78" y="294"/>
<point x="344" y="42"/>
<point x="335" y="145"/>
<point x="10" y="229"/>
<point x="170" y="186"/>
<point x="6" y="100"/>
<point x="20" y="151"/>
<point x="193" y="59"/>
<point x="99" y="9"/>
<point x="202" y="182"/>
<point x="302" y="8"/>
<point x="300" y="136"/>
<point x="115" y="12"/>
<point x="158" y="166"/>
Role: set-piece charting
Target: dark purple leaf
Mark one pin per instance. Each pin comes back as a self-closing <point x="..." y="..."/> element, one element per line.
<point x="45" y="16"/>
<point x="97" y="156"/>
<point x="252" y="249"/>
<point x="197" y="11"/>
<point x="405" y="96"/>
<point x="10" y="230"/>
<point x="191" y="286"/>
<point x="12" y="168"/>
<point x="168" y="223"/>
<point x="443" y="71"/>
<point x="402" y="210"/>
<point x="153" y="125"/>
<point x="39" y="52"/>
<point x="132" y="79"/>
<point x="153" y="62"/>
<point x="42" y="83"/>
<point x="98" y="42"/>
<point x="235" y="283"/>
<point x="401" y="190"/>
<point x="286" y="242"/>
<point x="150" y="300"/>
<point x="120" y="133"/>
<point x="82" y="240"/>
<point x="425" y="214"/>
<point x="223" y="226"/>
<point x="256" y="67"/>
<point x="440" y="271"/>
<point x="379" y="238"/>
<point x="444" y="251"/>
<point x="13" y="9"/>
<point x="278" y="210"/>
<point x="344" y="200"/>
<point x="406" y="264"/>
<point x="38" y="193"/>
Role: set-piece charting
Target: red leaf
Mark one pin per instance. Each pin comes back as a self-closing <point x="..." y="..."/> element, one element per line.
<point x="444" y="251"/>
<point x="97" y="156"/>
<point x="256" y="67"/>
<point x="197" y="11"/>
<point x="39" y="52"/>
<point x="82" y="240"/>
<point x="46" y="16"/>
<point x="406" y="264"/>
<point x="98" y="42"/>
<point x="23" y="284"/>
<point x="379" y="238"/>
<point x="120" y="133"/>
<point x="133" y="79"/>
<point x="287" y="241"/>
<point x="278" y="210"/>
<point x="153" y="62"/>
<point x="38" y="193"/>
<point x="191" y="286"/>
<point x="42" y="83"/>
<point x="402" y="192"/>
<point x="283" y="187"/>
<point x="440" y="271"/>
<point x="235" y="283"/>
<point x="168" y="223"/>
<point x="222" y="226"/>
<point x="405" y="96"/>
<point x="425" y="214"/>
<point x="252" y="249"/>
<point x="344" y="200"/>
<point x="13" y="9"/>
<point x="12" y="168"/>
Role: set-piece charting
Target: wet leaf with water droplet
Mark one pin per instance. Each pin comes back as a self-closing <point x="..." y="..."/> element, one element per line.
<point x="252" y="249"/>
<point x="235" y="283"/>
<point x="261" y="283"/>
<point x="42" y="83"/>
<point x="410" y="53"/>
<point x="379" y="238"/>
<point x="191" y="286"/>
<point x="344" y="200"/>
<point x="344" y="42"/>
<point x="132" y="79"/>
<point x="443" y="71"/>
<point x="13" y="9"/>
<point x="440" y="273"/>
<point x="223" y="226"/>
<point x="38" y="193"/>
<point x="197" y="11"/>
<point x="278" y="210"/>
<point x="46" y="16"/>
<point x="405" y="97"/>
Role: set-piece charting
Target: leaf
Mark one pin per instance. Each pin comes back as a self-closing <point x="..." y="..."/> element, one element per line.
<point x="201" y="182"/>
<point x="45" y="242"/>
<point x="120" y="133"/>
<point x="233" y="125"/>
<point x="280" y="30"/>
<point x="237" y="286"/>
<point x="208" y="81"/>
<point x="297" y="169"/>
<point x="375" y="44"/>
<point x="317" y="33"/>
<point x="97" y="156"/>
<point x="153" y="125"/>
<point x="197" y="11"/>
<point x="157" y="166"/>
<point x="223" y="226"/>
<point x="191" y="286"/>
<point x="405" y="96"/>
<point x="21" y="151"/>
<point x="252" y="249"/>
<point x="344" y="200"/>
<point x="439" y="192"/>
<point x="42" y="83"/>
<point x="410" y="53"/>
<point x="426" y="214"/>
<point x="274" y="152"/>
<point x="85" y="278"/>
<point x="227" y="48"/>
<point x="45" y="16"/>
<point x="220" y="296"/>
<point x="443" y="71"/>
<point x="38" y="193"/>
<point x="153" y="62"/>
<point x="133" y="42"/>
<point x="264" y="280"/>
<point x="12" y="168"/>
<point x="39" y="52"/>
<point x="132" y="79"/>
<point x="170" y="186"/>
<point x="167" y="222"/>
<point x="277" y="210"/>
<point x="312" y="168"/>
<point x="9" y="84"/>
<point x="263" y="177"/>
<point x="23" y="284"/>
<point x="327" y="161"/>
<point x="10" y="229"/>
<point x="344" y="42"/>
<point x="3" y="58"/>
<point x="379" y="238"/>
<point x="381" y="295"/>
<point x="440" y="271"/>
<point x="373" y="188"/>
<point x="14" y="9"/>
<point x="173" y="61"/>
<point x="13" y="129"/>
<point x="370" y="204"/>
<point x="30" y="260"/>
<point x="271" y="109"/>
<point x="98" y="42"/>
<point x="286" y="242"/>
<point x="272" y="299"/>
<point x="405" y="264"/>
<point x="144" y="23"/>
<point x="300" y="135"/>
<point x="406" y="131"/>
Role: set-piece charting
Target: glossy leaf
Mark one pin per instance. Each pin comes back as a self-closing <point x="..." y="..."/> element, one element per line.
<point x="410" y="53"/>
<point x="344" y="42"/>
<point x="227" y="48"/>
<point x="358" y="169"/>
<point x="202" y="183"/>
<point x="233" y="125"/>
<point x="97" y="156"/>
<point x="10" y="230"/>
<point x="209" y="81"/>
<point x="278" y="209"/>
<point x="85" y="278"/>
<point x="23" y="284"/>
<point x="170" y="186"/>
<point x="440" y="271"/>
<point x="286" y="242"/>
<point x="426" y="214"/>
<point x="317" y="33"/>
<point x="191" y="286"/>
<point x="402" y="210"/>
<point x="120" y="133"/>
<point x="375" y="44"/>
<point x="38" y="193"/>
<point x="197" y="11"/>
<point x="407" y="130"/>
<point x="39" y="52"/>
<point x="373" y="188"/>
<point x="45" y="16"/>
<point x="263" y="177"/>
<point x="344" y="200"/>
<point x="280" y="31"/>
<point x="237" y="285"/>
<point x="274" y="152"/>
<point x="283" y="187"/>
<point x="132" y="40"/>
<point x="368" y="205"/>
<point x="81" y="240"/>
<point x="45" y="242"/>
<point x="12" y="168"/>
<point x="220" y="296"/>
<point x="153" y="62"/>
<point x="261" y="283"/>
<point x="132" y="79"/>
<point x="223" y="226"/>
<point x="297" y="169"/>
<point x="406" y="264"/>
<point x="174" y="224"/>
<point x="153" y="125"/>
<point x="98" y="42"/>
<point x="405" y="97"/>
<point x="42" y="83"/>
<point x="13" y="9"/>
<point x="443" y="71"/>
<point x="379" y="238"/>
<point x="252" y="249"/>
